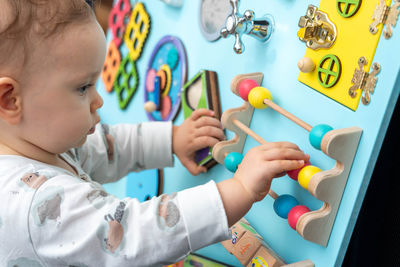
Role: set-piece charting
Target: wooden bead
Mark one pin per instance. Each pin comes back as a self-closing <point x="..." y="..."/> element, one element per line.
<point x="150" y="106"/>
<point x="257" y="96"/>
<point x="306" y="65"/>
<point x="232" y="160"/>
<point x="305" y="175"/>
<point x="317" y="134"/>
<point x="295" y="173"/>
<point x="295" y="213"/>
<point x="283" y="204"/>
<point x="245" y="87"/>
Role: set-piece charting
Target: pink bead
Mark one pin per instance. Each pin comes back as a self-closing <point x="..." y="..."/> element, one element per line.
<point x="245" y="87"/>
<point x="295" y="213"/>
<point x="295" y="173"/>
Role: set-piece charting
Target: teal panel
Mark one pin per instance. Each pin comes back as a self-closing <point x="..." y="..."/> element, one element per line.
<point x="277" y="59"/>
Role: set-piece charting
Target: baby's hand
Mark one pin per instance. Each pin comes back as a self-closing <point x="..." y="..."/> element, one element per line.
<point x="263" y="163"/>
<point x="198" y="131"/>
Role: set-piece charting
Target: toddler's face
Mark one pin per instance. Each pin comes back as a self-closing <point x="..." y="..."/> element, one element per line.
<point x="59" y="95"/>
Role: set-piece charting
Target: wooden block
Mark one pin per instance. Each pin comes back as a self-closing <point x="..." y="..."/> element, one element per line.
<point x="247" y="246"/>
<point x="237" y="231"/>
<point x="265" y="257"/>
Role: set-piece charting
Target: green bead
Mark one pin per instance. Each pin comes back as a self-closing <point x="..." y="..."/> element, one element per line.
<point x="232" y="160"/>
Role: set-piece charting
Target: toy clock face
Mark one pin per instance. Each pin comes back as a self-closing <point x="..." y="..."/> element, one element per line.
<point x="213" y="14"/>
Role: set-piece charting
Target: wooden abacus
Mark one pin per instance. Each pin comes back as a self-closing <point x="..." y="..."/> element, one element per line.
<point x="327" y="186"/>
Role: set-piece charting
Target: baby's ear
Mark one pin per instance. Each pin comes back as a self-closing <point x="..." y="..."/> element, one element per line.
<point x="10" y="101"/>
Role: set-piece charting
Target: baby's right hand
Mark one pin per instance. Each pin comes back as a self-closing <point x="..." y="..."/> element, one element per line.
<point x="263" y="163"/>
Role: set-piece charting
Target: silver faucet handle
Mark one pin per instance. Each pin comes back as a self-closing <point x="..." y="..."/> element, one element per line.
<point x="249" y="15"/>
<point x="238" y="47"/>
<point x="237" y="25"/>
<point x="235" y="6"/>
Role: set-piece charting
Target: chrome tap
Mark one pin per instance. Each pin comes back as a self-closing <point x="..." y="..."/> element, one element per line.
<point x="237" y="25"/>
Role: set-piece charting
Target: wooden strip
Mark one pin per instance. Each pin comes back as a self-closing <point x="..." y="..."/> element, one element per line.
<point x="287" y="114"/>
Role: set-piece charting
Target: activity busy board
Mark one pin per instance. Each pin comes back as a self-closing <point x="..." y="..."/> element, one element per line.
<point x="330" y="62"/>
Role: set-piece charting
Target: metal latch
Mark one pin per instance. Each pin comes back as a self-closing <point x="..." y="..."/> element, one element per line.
<point x="386" y="15"/>
<point x="364" y="80"/>
<point x="316" y="30"/>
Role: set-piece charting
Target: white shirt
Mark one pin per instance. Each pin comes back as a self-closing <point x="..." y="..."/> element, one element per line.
<point x="51" y="217"/>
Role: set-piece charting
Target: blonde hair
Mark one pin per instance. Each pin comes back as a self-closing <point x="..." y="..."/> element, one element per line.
<point x="22" y="20"/>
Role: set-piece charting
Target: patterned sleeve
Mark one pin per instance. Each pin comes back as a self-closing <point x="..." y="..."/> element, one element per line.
<point x="76" y="223"/>
<point x="114" y="151"/>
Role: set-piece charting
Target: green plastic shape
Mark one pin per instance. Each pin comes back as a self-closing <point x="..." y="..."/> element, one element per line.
<point x="347" y="8"/>
<point x="329" y="70"/>
<point x="126" y="82"/>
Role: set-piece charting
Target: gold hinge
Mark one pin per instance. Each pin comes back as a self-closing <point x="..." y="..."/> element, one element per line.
<point x="386" y="15"/>
<point x="364" y="80"/>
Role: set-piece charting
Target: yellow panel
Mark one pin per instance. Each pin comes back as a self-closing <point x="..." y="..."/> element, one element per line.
<point x="352" y="42"/>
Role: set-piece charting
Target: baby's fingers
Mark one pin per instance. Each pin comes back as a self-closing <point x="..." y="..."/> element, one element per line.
<point x="207" y="121"/>
<point x="204" y="141"/>
<point x="272" y="145"/>
<point x="192" y="166"/>
<point x="278" y="167"/>
<point x="201" y="112"/>
<point x="284" y="153"/>
<point x="210" y="131"/>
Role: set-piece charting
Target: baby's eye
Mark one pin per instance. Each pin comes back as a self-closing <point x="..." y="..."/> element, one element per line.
<point x="82" y="90"/>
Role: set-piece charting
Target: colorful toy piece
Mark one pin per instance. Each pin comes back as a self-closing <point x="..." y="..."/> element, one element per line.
<point x="116" y="20"/>
<point x="326" y="186"/>
<point x="166" y="73"/>
<point x="245" y="87"/>
<point x="260" y="97"/>
<point x="201" y="91"/>
<point x="317" y="134"/>
<point x="346" y="15"/>
<point x="126" y="81"/>
<point x="294" y="173"/>
<point x="168" y="61"/>
<point x="283" y="204"/>
<point x="305" y="175"/>
<point x="137" y="31"/>
<point x="329" y="70"/>
<point x="251" y="249"/>
<point x="232" y="161"/>
<point x="295" y="213"/>
<point x="111" y="65"/>
<point x="257" y="95"/>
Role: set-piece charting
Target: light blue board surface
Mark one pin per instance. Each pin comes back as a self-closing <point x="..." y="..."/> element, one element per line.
<point x="277" y="60"/>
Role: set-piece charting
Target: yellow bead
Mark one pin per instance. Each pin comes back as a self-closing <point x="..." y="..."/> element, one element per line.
<point x="257" y="96"/>
<point x="305" y="175"/>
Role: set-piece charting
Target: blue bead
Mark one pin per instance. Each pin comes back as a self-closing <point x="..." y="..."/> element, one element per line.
<point x="232" y="160"/>
<point x="317" y="133"/>
<point x="283" y="204"/>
